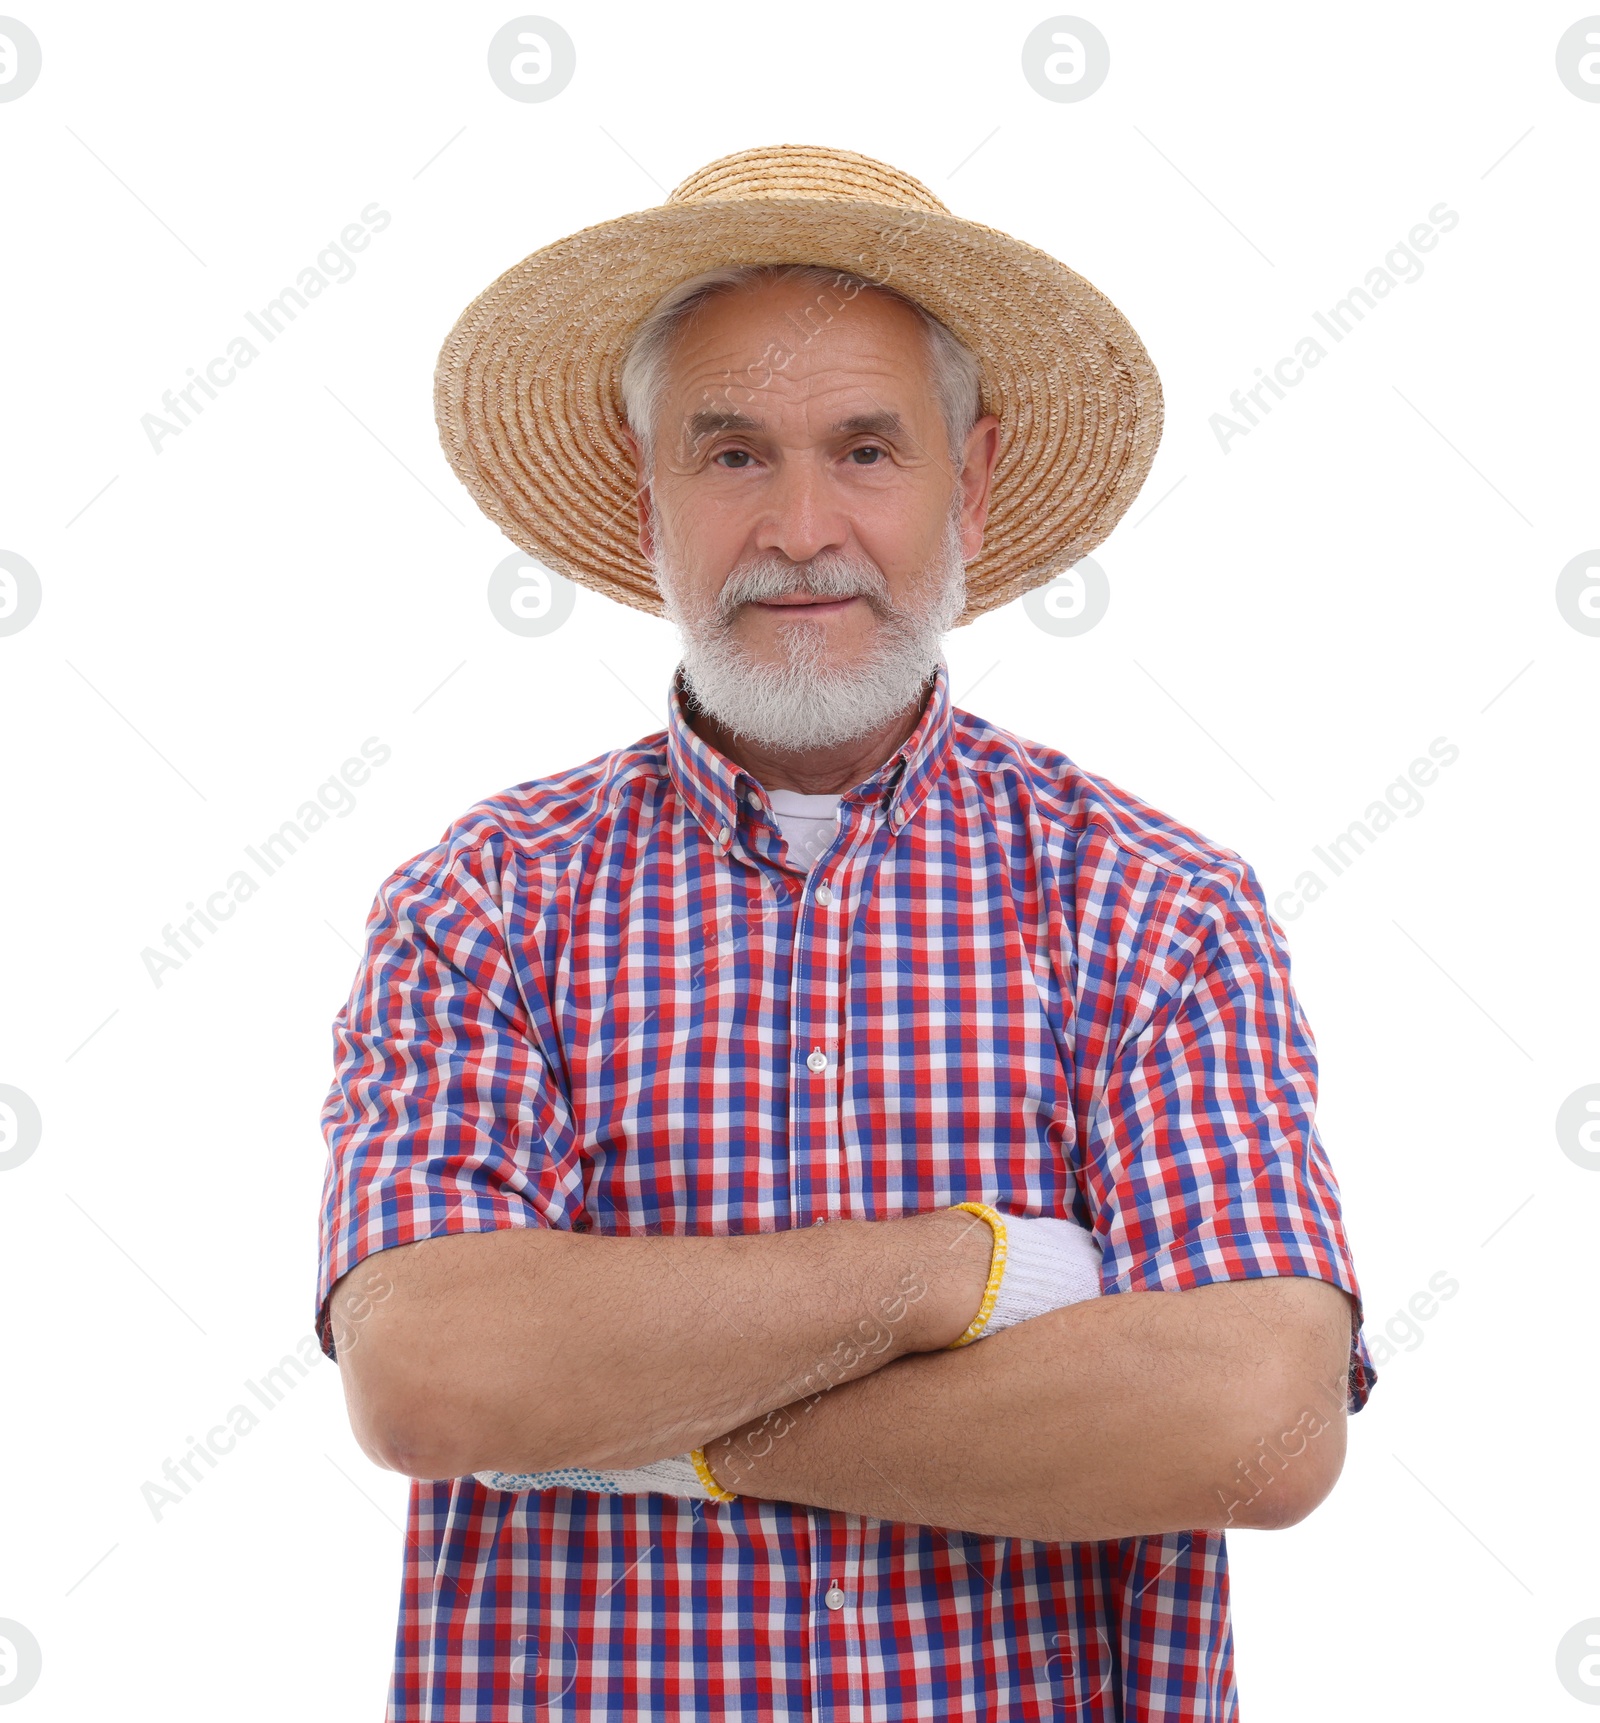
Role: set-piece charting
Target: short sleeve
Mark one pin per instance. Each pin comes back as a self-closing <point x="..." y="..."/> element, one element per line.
<point x="444" y="1115"/>
<point x="1201" y="1160"/>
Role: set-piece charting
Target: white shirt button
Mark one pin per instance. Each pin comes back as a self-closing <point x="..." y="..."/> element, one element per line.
<point x="818" y="1060"/>
<point x="824" y="896"/>
<point x="835" y="1598"/>
<point x="723" y="836"/>
<point x="752" y="798"/>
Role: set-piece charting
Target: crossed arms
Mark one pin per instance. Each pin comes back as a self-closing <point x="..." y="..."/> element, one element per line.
<point x="812" y="1366"/>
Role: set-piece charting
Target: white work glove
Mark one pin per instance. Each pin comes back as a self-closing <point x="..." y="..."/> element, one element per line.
<point x="1048" y="1263"/>
<point x="675" y="1477"/>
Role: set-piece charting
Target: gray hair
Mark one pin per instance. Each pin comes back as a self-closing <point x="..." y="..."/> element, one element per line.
<point x="957" y="379"/>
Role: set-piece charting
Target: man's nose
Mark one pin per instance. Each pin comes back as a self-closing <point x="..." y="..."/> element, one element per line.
<point x="799" y="518"/>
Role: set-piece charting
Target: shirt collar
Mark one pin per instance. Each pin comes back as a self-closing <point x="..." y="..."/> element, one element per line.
<point x="716" y="789"/>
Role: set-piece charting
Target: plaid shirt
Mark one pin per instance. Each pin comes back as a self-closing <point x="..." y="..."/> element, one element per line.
<point x="598" y="1003"/>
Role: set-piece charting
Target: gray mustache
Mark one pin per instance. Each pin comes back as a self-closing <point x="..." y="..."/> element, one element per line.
<point x="833" y="578"/>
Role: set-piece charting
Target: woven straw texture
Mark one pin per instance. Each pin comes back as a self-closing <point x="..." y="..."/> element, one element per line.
<point x="530" y="414"/>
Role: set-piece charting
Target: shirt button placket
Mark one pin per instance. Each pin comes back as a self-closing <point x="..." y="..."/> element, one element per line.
<point x="815" y="1017"/>
<point x="844" y="1635"/>
<point x="828" y="926"/>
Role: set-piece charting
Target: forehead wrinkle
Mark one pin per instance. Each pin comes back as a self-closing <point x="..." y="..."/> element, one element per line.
<point x="736" y="369"/>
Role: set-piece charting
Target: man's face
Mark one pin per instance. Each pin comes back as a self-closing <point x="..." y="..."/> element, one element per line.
<point x="806" y="524"/>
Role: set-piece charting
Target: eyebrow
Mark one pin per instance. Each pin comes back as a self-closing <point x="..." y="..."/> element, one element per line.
<point x="711" y="421"/>
<point x="882" y="424"/>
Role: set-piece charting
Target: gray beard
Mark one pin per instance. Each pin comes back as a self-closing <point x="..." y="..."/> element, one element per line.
<point x="800" y="703"/>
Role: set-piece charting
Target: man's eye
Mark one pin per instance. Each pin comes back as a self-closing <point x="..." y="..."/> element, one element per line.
<point x="868" y="449"/>
<point x="740" y="455"/>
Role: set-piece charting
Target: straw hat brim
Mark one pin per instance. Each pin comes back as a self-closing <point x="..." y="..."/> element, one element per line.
<point x="530" y="414"/>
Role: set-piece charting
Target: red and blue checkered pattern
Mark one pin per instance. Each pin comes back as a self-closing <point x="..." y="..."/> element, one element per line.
<point x="591" y="1005"/>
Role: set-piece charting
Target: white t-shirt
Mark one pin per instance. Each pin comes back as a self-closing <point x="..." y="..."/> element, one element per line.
<point x="808" y="823"/>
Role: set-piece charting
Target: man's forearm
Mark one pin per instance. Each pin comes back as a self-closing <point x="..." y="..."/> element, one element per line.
<point x="521" y="1351"/>
<point x="1130" y="1415"/>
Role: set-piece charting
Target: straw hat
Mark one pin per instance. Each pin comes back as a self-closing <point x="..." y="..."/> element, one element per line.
<point x="531" y="418"/>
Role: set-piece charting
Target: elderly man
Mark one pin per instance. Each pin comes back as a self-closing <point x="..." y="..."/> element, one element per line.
<point x="827" y="948"/>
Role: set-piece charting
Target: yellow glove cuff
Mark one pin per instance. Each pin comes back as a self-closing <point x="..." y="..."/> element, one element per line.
<point x="698" y="1457"/>
<point x="997" y="1268"/>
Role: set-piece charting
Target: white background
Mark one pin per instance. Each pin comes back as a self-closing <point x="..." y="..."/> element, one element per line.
<point x="1292" y="621"/>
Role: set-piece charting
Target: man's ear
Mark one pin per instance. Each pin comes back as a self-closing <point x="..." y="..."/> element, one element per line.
<point x="977" y="474"/>
<point x="641" y="494"/>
